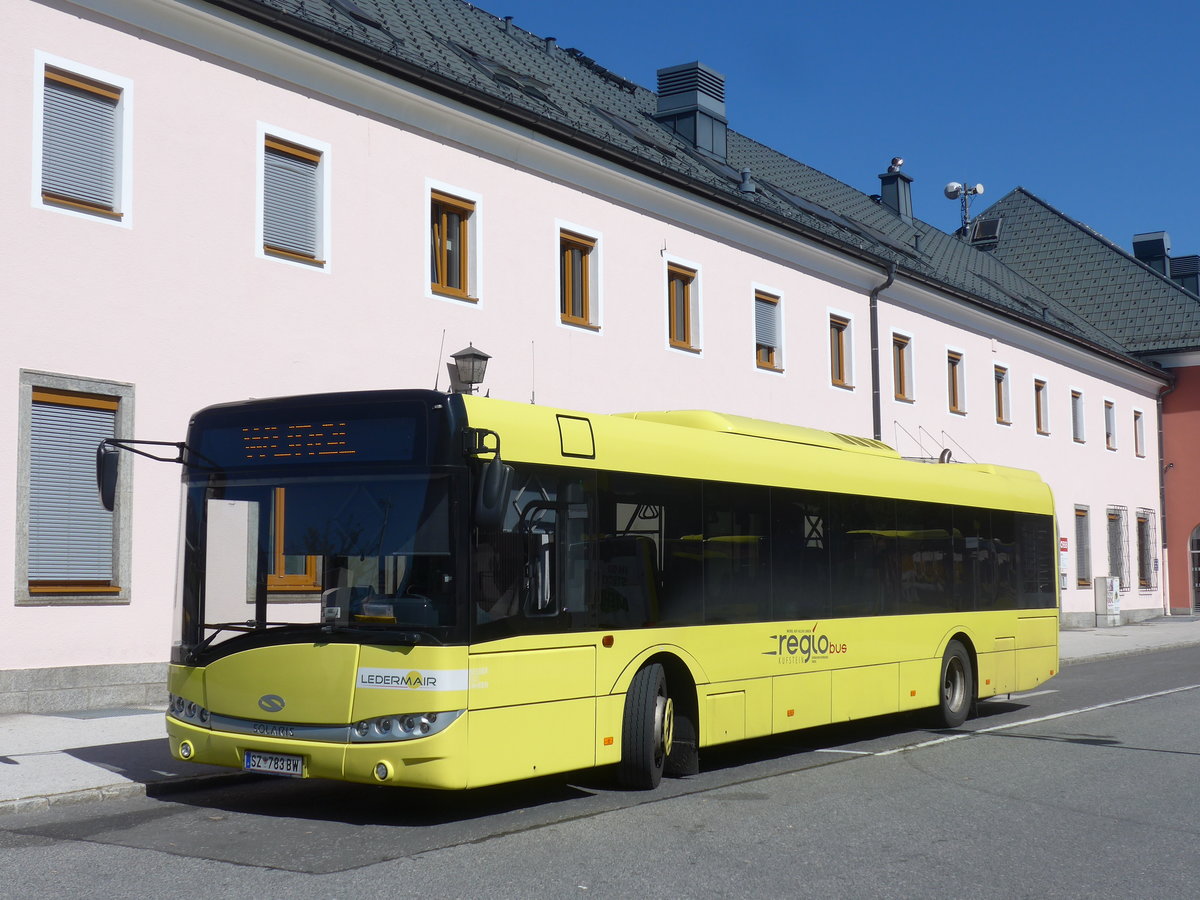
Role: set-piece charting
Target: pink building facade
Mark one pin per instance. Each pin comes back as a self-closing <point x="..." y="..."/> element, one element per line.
<point x="175" y="298"/>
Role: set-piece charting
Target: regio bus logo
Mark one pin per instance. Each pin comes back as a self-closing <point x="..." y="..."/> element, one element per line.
<point x="271" y="703"/>
<point x="794" y="646"/>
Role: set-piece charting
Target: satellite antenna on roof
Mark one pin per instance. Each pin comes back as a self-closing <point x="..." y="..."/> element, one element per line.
<point x="956" y="191"/>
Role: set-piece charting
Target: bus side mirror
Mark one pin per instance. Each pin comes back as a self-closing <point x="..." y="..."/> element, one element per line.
<point x="107" y="459"/>
<point x="491" y="501"/>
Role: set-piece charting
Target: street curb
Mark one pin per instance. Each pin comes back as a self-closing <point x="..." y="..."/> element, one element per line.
<point x="71" y="798"/>
<point x="129" y="791"/>
<point x="1114" y="654"/>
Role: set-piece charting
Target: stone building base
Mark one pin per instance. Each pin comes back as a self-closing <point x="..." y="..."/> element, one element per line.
<point x="74" y="688"/>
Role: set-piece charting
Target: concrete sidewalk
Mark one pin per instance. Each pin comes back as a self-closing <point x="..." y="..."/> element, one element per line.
<point x="49" y="760"/>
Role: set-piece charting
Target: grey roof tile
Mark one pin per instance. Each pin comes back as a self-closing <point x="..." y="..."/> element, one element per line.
<point x="570" y="95"/>
<point x="1099" y="280"/>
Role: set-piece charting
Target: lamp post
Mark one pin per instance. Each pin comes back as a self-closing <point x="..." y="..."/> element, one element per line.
<point x="470" y="364"/>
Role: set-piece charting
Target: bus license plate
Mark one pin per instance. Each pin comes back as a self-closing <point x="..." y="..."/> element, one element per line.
<point x="274" y="764"/>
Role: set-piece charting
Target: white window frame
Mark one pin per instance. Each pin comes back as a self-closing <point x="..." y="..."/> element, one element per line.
<point x="847" y="349"/>
<point x="1139" y="433"/>
<point x="909" y="370"/>
<point x="1110" y="423"/>
<point x="1078" y="415"/>
<point x="775" y="294"/>
<point x="122" y="216"/>
<point x="960" y="379"/>
<point x="122" y="514"/>
<point x="595" y="275"/>
<point x="1041" y="429"/>
<point x="475" y="249"/>
<point x="1003" y="416"/>
<point x="324" y="254"/>
<point x="695" y="305"/>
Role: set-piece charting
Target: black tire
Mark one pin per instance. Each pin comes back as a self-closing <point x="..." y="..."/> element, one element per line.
<point x="648" y="729"/>
<point x="956" y="686"/>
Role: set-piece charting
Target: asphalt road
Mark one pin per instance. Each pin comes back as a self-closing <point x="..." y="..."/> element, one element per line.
<point x="1087" y="788"/>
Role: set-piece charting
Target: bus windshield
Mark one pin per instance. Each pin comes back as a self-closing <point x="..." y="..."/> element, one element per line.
<point x="369" y="552"/>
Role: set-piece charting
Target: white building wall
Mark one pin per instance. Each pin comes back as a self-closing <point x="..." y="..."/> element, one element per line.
<point x="179" y="301"/>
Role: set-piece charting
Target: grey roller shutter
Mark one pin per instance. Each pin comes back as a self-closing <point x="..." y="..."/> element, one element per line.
<point x="70" y="533"/>
<point x="766" y="323"/>
<point x="290" y="202"/>
<point x="79" y="144"/>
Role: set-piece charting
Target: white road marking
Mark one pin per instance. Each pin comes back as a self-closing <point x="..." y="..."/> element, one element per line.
<point x="1033" y="694"/>
<point x="1060" y="715"/>
<point x="837" y="750"/>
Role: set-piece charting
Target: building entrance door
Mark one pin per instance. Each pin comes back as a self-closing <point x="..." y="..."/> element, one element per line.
<point x="1194" y="563"/>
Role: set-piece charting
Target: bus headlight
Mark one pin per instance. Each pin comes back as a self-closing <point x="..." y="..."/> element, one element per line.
<point x="402" y="727"/>
<point x="187" y="711"/>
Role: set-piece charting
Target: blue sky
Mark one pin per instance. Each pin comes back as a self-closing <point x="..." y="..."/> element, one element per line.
<point x="1089" y="105"/>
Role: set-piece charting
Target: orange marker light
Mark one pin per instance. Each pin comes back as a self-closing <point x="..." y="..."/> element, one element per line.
<point x="912" y="693"/>
<point x="608" y="742"/>
<point x="791" y="712"/>
<point x="607" y="640"/>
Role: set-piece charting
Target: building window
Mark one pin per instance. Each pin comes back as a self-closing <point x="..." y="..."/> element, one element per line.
<point x="450" y="233"/>
<point x="1002" y="402"/>
<point x="766" y="332"/>
<point x="1041" y="412"/>
<point x="955" y="391"/>
<point x="288" y="572"/>
<point x="1083" y="548"/>
<point x="1077" y="431"/>
<point x="575" y="279"/>
<point x="681" y="307"/>
<point x="1139" y="434"/>
<point x="1118" y="546"/>
<point x="71" y="549"/>
<point x="902" y="367"/>
<point x="1145" y="548"/>
<point x="840" y="368"/>
<point x="292" y="199"/>
<point x="81" y="143"/>
<point x="1110" y="425"/>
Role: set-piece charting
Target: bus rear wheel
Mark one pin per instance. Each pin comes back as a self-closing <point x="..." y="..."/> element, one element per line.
<point x="956" y="687"/>
<point x="647" y="731"/>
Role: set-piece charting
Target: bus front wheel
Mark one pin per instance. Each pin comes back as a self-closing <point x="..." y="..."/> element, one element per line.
<point x="957" y="686"/>
<point x="647" y="731"/>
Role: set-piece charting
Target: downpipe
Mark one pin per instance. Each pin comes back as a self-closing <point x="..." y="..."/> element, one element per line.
<point x="876" y="408"/>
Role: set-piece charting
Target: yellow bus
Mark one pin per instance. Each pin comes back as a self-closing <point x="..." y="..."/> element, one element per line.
<point x="447" y="591"/>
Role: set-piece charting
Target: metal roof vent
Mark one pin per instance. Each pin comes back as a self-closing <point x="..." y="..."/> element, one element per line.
<point x="691" y="103"/>
<point x="1154" y="249"/>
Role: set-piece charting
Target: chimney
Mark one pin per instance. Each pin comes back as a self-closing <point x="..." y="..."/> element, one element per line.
<point x="895" y="190"/>
<point x="1185" y="272"/>
<point x="691" y="103"/>
<point x="1154" y="249"/>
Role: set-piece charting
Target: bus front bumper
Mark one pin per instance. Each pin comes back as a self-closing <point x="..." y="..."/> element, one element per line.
<point x="437" y="761"/>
